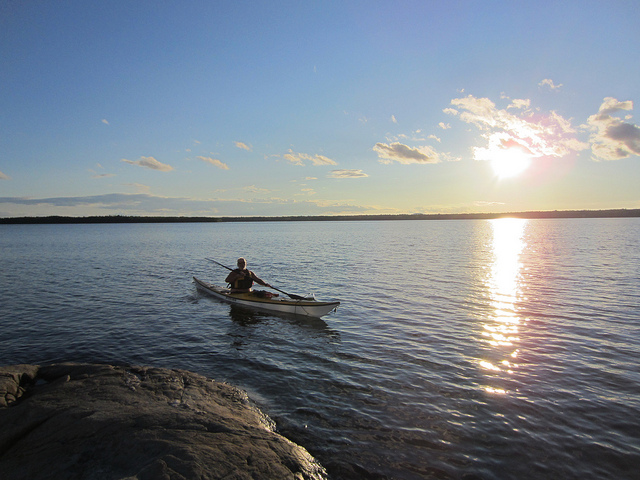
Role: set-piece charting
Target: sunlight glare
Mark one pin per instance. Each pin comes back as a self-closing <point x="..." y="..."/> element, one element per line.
<point x="499" y="391"/>
<point x="509" y="162"/>
<point x="505" y="290"/>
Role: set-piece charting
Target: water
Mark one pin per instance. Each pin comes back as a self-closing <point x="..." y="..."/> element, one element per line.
<point x="498" y="349"/>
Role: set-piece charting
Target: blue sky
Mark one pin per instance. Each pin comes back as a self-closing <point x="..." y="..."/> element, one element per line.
<point x="317" y="108"/>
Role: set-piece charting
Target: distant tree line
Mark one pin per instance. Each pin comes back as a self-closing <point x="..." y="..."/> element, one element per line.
<point x="332" y="218"/>
<point x="105" y="219"/>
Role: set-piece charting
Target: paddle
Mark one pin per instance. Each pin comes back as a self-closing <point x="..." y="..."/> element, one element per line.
<point x="290" y="295"/>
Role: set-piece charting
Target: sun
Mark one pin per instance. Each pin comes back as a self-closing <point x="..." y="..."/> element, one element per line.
<point x="508" y="156"/>
<point x="509" y="162"/>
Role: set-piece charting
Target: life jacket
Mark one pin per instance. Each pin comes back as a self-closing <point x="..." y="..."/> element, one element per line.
<point x="243" y="283"/>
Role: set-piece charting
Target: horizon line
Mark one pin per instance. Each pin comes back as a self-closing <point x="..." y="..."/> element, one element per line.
<point x="530" y="214"/>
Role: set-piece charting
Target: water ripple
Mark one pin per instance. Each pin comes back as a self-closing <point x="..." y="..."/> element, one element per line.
<point x="462" y="349"/>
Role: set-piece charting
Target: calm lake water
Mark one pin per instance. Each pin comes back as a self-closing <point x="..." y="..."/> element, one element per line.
<point x="498" y="349"/>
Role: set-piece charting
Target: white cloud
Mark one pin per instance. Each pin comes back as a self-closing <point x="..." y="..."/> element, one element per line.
<point x="549" y="83"/>
<point x="393" y="119"/>
<point x="150" y="162"/>
<point x="478" y="111"/>
<point x="215" y="162"/>
<point x="4" y="177"/>
<point x="519" y="103"/>
<point x="294" y="158"/>
<point x="399" y="152"/>
<point x="105" y="121"/>
<point x="542" y="135"/>
<point x="244" y="146"/>
<point x="562" y="123"/>
<point x="347" y="174"/>
<point x="611" y="105"/>
<point x="322" y="160"/>
<point x="613" y="138"/>
<point x="444" y="126"/>
<point x="300" y="158"/>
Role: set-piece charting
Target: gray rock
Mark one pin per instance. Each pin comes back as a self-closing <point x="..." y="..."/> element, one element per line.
<point x="78" y="421"/>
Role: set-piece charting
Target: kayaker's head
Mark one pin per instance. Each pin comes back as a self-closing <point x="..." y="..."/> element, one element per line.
<point x="242" y="263"/>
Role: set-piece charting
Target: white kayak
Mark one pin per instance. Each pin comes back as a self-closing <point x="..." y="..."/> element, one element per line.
<point x="307" y="306"/>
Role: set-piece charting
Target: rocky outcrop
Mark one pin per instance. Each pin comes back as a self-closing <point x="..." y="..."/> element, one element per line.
<point x="77" y="421"/>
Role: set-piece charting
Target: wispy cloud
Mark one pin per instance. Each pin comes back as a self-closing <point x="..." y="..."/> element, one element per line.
<point x="139" y="187"/>
<point x="393" y="119"/>
<point x="483" y="203"/>
<point x="347" y="174"/>
<point x="612" y="137"/>
<point x="300" y="158"/>
<point x="4" y="177"/>
<point x="415" y="136"/>
<point x="112" y="200"/>
<point x="146" y="204"/>
<point x="105" y="121"/>
<point x="150" y="162"/>
<point x="100" y="175"/>
<point x="254" y="189"/>
<point x="244" y="146"/>
<point x="547" y="82"/>
<point x="399" y="152"/>
<point x="215" y="162"/>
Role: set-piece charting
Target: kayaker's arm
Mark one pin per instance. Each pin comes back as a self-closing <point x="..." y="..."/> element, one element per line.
<point x="233" y="276"/>
<point x="259" y="280"/>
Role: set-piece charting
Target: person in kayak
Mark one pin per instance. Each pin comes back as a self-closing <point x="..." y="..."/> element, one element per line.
<point x="241" y="279"/>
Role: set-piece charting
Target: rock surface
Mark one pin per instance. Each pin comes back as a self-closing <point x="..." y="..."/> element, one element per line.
<point x="78" y="421"/>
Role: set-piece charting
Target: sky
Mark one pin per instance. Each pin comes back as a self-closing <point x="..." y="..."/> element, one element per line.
<point x="211" y="108"/>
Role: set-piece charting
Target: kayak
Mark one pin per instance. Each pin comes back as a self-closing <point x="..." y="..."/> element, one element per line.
<point x="307" y="306"/>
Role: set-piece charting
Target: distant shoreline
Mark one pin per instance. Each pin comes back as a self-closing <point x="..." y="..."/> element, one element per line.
<point x="54" y="219"/>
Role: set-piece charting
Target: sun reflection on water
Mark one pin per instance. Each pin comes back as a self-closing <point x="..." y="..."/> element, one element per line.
<point x="505" y="288"/>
